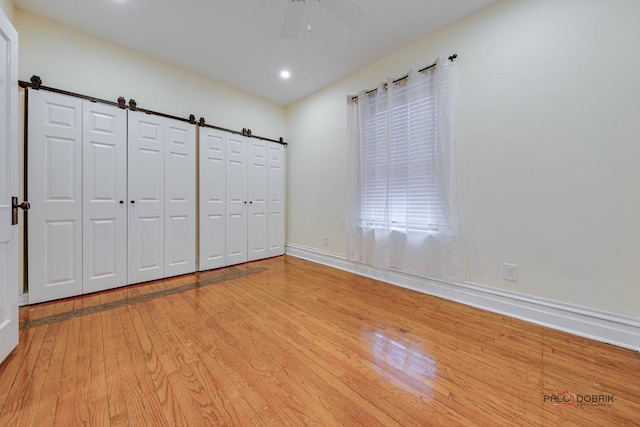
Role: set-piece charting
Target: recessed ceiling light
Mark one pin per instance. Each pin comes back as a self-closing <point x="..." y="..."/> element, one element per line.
<point x="285" y="74"/>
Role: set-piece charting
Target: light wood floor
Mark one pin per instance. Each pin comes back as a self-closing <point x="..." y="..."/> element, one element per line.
<point x="288" y="342"/>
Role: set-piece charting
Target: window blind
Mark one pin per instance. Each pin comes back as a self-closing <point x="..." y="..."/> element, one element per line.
<point x="403" y="165"/>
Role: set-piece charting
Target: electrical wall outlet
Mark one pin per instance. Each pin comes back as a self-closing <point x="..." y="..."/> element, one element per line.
<point x="510" y="272"/>
<point x="325" y="241"/>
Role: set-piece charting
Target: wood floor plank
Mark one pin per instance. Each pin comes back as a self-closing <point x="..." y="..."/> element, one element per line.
<point x="189" y="406"/>
<point x="288" y="342"/>
<point x="51" y="387"/>
<point x="291" y="374"/>
<point x="350" y="368"/>
<point x="31" y="396"/>
<point x="359" y="360"/>
<point x="143" y="404"/>
<point x="231" y="407"/>
<point x="91" y="405"/>
<point x="167" y="397"/>
<point x="253" y="372"/>
<point x="118" y="413"/>
<point x="315" y="381"/>
<point x="15" y="368"/>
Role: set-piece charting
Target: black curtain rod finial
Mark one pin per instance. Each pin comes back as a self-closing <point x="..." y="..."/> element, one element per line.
<point x="453" y="57"/>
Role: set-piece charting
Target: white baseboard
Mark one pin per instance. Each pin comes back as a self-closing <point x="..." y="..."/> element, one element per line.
<point x="23" y="299"/>
<point x="612" y="328"/>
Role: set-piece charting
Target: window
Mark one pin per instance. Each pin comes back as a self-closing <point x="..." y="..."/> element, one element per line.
<point x="402" y="158"/>
<point x="401" y="203"/>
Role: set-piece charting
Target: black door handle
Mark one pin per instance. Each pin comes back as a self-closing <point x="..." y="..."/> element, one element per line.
<point x="25" y="206"/>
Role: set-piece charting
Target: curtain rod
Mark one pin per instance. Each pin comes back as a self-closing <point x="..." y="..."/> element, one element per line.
<point x="406" y="76"/>
<point x="36" y="84"/>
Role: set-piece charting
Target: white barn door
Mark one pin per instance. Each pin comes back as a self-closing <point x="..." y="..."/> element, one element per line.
<point x="146" y="197"/>
<point x="55" y="193"/>
<point x="180" y="198"/>
<point x="276" y="206"/>
<point x="212" y="199"/>
<point x="257" y="195"/>
<point x="104" y="197"/>
<point x="8" y="187"/>
<point x="236" y="195"/>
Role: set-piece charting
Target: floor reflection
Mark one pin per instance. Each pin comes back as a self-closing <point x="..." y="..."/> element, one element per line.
<point x="402" y="362"/>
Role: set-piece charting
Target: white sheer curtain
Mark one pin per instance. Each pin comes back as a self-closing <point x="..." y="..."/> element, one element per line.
<point x="401" y="189"/>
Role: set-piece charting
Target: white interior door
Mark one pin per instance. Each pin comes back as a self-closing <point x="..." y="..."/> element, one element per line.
<point x="212" y="199"/>
<point x="104" y="196"/>
<point x="8" y="187"/>
<point x="257" y="195"/>
<point x="146" y="197"/>
<point x="236" y="195"/>
<point x="180" y="198"/>
<point x="55" y="193"/>
<point x="276" y="206"/>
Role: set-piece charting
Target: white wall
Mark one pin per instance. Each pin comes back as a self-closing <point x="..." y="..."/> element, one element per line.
<point x="78" y="62"/>
<point x="548" y="148"/>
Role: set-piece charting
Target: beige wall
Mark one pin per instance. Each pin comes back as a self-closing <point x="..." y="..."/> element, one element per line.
<point x="7" y="7"/>
<point x="78" y="62"/>
<point x="547" y="133"/>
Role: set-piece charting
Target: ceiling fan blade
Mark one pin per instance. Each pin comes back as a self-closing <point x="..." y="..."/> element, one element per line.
<point x="351" y="12"/>
<point x="292" y="19"/>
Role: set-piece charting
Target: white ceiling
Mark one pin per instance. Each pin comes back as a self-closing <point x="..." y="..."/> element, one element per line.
<point x="237" y="42"/>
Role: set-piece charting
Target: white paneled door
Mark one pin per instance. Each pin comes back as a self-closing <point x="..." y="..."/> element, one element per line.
<point x="180" y="198"/>
<point x="8" y="187"/>
<point x="55" y="193"/>
<point x="146" y="203"/>
<point x="276" y="164"/>
<point x="236" y="193"/>
<point x="241" y="199"/>
<point x="104" y="197"/>
<point x="257" y="186"/>
<point x="212" y="199"/>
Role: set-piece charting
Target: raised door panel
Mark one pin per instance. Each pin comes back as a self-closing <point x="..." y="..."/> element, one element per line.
<point x="146" y="208"/>
<point x="180" y="198"/>
<point x="212" y="199"/>
<point x="55" y="193"/>
<point x="236" y="196"/>
<point x="275" y="210"/>
<point x="104" y="196"/>
<point x="257" y="195"/>
<point x="8" y="187"/>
